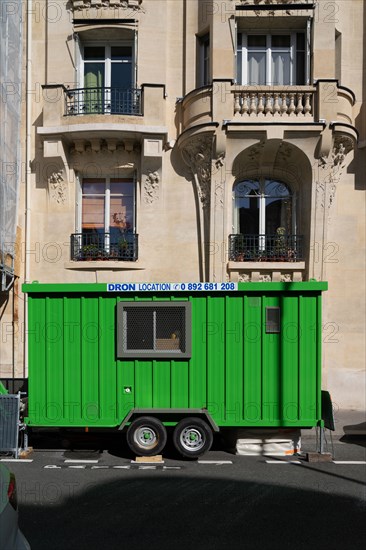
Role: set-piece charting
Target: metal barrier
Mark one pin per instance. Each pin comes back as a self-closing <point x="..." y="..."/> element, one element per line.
<point x="9" y="423"/>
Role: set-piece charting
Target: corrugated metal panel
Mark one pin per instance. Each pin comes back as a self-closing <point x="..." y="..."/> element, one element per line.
<point x="242" y="374"/>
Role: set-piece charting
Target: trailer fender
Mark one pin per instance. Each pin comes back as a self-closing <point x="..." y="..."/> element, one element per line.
<point x="160" y="413"/>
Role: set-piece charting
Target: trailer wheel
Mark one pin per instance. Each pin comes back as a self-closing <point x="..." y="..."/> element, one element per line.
<point x="146" y="436"/>
<point x="192" y="437"/>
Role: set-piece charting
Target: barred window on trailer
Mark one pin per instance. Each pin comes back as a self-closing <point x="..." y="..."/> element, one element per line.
<point x="154" y="330"/>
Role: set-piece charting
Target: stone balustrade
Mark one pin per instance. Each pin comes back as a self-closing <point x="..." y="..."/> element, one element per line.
<point x="274" y="101"/>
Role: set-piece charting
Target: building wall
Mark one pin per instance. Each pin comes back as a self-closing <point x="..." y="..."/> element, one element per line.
<point x="191" y="145"/>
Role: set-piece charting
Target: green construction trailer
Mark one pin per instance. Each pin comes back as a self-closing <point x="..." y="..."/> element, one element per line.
<point x="194" y="356"/>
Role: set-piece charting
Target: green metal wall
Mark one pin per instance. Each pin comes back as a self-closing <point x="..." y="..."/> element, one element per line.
<point x="243" y="376"/>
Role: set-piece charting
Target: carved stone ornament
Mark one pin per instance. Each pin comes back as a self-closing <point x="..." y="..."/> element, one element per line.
<point x="80" y="5"/>
<point x="151" y="188"/>
<point x="57" y="187"/>
<point x="244" y="277"/>
<point x="265" y="278"/>
<point x="198" y="156"/>
<point x="331" y="170"/>
<point x="269" y="3"/>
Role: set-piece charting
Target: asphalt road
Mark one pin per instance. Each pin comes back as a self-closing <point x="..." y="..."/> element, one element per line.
<point x="240" y="503"/>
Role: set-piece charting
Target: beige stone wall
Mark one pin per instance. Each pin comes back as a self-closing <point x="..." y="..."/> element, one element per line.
<point x="188" y="209"/>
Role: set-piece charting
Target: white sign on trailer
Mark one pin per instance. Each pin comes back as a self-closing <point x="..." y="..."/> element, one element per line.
<point x="171" y="287"/>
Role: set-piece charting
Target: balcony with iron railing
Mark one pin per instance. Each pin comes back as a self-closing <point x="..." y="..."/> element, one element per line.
<point x="114" y="101"/>
<point x="265" y="248"/>
<point x="65" y="109"/>
<point x="104" y="247"/>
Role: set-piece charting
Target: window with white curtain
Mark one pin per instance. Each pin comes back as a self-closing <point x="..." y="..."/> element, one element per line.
<point x="272" y="59"/>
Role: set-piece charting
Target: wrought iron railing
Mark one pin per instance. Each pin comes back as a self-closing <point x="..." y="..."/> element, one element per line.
<point x="104" y="247"/>
<point x="266" y="248"/>
<point x="114" y="101"/>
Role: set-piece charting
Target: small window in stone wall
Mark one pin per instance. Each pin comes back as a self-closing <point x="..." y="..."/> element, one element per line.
<point x="273" y="320"/>
<point x="155" y="330"/>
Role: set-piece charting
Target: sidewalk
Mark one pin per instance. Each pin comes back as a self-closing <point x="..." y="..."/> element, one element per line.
<point x="347" y="423"/>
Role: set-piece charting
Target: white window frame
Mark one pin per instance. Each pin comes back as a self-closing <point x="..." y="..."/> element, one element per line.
<point x="107" y="59"/>
<point x="261" y="197"/>
<point x="292" y="51"/>
<point x="107" y="203"/>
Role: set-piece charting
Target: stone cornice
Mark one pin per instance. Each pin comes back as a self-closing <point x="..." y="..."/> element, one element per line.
<point x="80" y="5"/>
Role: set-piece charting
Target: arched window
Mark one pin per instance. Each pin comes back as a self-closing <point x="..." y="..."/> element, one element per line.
<point x="264" y="220"/>
<point x="262" y="206"/>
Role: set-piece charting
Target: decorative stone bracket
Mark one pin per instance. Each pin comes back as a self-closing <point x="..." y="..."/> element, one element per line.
<point x="197" y="155"/>
<point x="56" y="170"/>
<point x="330" y="168"/>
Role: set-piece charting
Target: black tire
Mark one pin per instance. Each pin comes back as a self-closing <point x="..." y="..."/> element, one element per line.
<point x="146" y="436"/>
<point x="192" y="437"/>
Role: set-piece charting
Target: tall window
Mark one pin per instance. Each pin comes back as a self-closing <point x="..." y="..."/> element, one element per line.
<point x="108" y="206"/>
<point x="108" y="78"/>
<point x="203" y="76"/>
<point x="262" y="207"/>
<point x="273" y="59"/>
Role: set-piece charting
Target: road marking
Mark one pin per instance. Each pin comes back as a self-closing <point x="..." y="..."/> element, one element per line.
<point x="349" y="461"/>
<point x="80" y="461"/>
<point x="18" y="460"/>
<point x="122" y="467"/>
<point x="172" y="467"/>
<point x="80" y="467"/>
<point x="52" y="467"/>
<point x="99" y="467"/>
<point x="217" y="462"/>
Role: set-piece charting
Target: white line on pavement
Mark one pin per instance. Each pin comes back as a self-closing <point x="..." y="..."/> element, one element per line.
<point x="215" y="461"/>
<point x="80" y="461"/>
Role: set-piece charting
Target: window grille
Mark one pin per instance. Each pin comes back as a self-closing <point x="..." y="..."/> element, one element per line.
<point x="154" y="330"/>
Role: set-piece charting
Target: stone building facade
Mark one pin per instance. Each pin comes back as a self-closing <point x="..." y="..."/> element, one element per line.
<point x="202" y="140"/>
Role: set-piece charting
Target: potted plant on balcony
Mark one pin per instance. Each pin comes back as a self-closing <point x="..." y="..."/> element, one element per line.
<point x="280" y="245"/>
<point x="89" y="252"/>
<point x="123" y="248"/>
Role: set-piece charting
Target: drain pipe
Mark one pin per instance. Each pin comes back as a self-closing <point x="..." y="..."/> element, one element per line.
<point x="28" y="87"/>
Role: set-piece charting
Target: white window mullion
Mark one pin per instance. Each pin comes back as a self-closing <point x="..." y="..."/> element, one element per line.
<point x="134" y="60"/>
<point x="79" y="202"/>
<point x="107" y="212"/>
<point x="294" y="221"/>
<point x="293" y="59"/>
<point x="244" y="59"/>
<point x="134" y="228"/>
<point x="262" y="222"/>
<point x="269" y="77"/>
<point x="107" y="76"/>
<point x="307" y="51"/>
